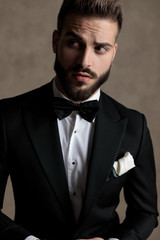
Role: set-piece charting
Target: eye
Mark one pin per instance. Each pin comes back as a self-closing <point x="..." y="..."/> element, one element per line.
<point x="101" y="50"/>
<point x="73" y="43"/>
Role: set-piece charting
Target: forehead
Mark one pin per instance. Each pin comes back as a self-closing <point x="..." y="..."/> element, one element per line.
<point x="95" y="27"/>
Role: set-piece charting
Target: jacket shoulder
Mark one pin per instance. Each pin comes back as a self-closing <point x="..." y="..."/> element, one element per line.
<point x="122" y="110"/>
<point x="31" y="97"/>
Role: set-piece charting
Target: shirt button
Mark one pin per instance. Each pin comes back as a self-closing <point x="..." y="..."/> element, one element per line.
<point x="75" y="131"/>
<point x="73" y="163"/>
<point x="74" y="194"/>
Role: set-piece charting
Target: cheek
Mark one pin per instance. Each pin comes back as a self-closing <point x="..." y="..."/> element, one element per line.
<point x="103" y="65"/>
<point x="66" y="57"/>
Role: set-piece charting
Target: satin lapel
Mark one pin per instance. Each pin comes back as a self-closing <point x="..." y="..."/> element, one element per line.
<point x="43" y="131"/>
<point x="107" y="139"/>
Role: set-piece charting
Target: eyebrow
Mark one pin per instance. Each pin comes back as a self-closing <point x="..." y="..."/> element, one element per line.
<point x="103" y="44"/>
<point x="73" y="34"/>
<point x="77" y="36"/>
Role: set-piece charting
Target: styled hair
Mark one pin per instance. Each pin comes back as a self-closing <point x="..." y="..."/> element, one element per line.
<point x="109" y="9"/>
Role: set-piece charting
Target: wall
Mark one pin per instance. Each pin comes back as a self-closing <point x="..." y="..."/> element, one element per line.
<point x="26" y="61"/>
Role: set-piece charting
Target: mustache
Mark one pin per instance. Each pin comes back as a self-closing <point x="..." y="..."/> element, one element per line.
<point x="78" y="69"/>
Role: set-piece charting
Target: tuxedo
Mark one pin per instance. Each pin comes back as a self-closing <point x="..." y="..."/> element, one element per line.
<point x="30" y="152"/>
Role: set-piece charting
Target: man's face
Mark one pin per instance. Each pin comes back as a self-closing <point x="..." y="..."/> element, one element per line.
<point x="85" y="50"/>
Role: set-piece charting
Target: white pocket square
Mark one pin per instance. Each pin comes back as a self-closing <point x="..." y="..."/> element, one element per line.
<point x="123" y="165"/>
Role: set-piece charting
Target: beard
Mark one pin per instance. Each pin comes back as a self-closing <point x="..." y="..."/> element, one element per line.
<point x="79" y="92"/>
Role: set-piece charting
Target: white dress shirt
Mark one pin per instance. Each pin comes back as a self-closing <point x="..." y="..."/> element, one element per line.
<point x="76" y="136"/>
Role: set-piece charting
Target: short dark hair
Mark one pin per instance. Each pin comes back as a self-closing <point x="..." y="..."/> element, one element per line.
<point x="110" y="9"/>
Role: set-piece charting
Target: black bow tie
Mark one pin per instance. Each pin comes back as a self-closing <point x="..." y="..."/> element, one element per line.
<point x="63" y="108"/>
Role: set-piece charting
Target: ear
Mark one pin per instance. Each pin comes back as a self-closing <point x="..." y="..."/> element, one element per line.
<point x="55" y="40"/>
<point x="114" y="51"/>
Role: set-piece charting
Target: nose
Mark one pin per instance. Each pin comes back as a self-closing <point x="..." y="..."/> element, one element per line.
<point x="85" y="58"/>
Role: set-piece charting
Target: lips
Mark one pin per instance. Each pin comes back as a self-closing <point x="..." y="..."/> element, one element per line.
<point x="82" y="77"/>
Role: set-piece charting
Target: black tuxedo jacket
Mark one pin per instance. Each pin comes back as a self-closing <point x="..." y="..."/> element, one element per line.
<point x="30" y="152"/>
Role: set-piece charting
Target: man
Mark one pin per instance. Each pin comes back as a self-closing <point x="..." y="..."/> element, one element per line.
<point x="70" y="149"/>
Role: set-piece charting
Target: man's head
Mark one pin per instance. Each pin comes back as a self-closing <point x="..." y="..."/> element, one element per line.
<point x="85" y="45"/>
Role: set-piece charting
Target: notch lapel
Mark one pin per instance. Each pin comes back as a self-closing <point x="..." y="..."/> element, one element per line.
<point x="43" y="130"/>
<point x="107" y="140"/>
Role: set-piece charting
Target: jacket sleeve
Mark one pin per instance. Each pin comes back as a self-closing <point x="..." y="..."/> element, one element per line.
<point x="140" y="193"/>
<point x="8" y="228"/>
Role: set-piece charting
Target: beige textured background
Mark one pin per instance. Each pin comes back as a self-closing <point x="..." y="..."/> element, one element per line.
<point x="26" y="61"/>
